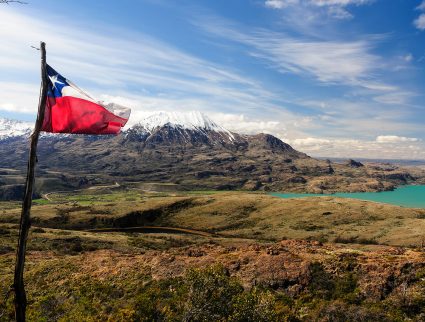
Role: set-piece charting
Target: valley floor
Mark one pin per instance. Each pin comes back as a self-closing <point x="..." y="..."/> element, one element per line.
<point x="117" y="254"/>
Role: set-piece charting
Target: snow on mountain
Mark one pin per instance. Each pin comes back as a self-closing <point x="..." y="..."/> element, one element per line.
<point x="12" y="128"/>
<point x="194" y="120"/>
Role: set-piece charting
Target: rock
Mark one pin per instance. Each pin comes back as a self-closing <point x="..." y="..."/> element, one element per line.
<point x="235" y="266"/>
<point x="272" y="251"/>
<point x="297" y="179"/>
<point x="354" y="164"/>
<point x="195" y="253"/>
<point x="252" y="185"/>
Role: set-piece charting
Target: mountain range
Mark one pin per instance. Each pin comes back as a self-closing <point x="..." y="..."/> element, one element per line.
<point x="171" y="150"/>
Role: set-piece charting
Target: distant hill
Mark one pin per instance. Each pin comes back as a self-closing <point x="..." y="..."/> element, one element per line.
<point x="191" y="151"/>
<point x="401" y="162"/>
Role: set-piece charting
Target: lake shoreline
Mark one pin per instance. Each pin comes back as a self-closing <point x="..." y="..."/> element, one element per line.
<point x="411" y="196"/>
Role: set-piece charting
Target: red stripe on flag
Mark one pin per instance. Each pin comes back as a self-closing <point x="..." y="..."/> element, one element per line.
<point x="69" y="114"/>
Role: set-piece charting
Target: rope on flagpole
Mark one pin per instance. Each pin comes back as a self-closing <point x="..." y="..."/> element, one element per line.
<point x="25" y="223"/>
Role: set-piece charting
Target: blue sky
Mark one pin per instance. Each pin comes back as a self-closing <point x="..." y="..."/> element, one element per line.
<point x="331" y="77"/>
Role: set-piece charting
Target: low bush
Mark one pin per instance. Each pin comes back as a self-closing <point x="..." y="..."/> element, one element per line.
<point x="355" y="240"/>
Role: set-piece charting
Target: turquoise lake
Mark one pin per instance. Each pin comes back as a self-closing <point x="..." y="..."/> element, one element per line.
<point x="407" y="196"/>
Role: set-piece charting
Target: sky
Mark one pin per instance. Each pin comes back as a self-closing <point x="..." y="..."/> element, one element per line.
<point x="333" y="78"/>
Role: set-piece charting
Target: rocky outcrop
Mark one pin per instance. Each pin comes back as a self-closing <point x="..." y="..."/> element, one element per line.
<point x="354" y="164"/>
<point x="290" y="266"/>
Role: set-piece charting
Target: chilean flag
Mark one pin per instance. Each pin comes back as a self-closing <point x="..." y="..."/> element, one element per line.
<point x="71" y="110"/>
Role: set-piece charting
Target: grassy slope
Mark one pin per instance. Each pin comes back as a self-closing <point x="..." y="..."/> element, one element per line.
<point x="241" y="215"/>
<point x="80" y="275"/>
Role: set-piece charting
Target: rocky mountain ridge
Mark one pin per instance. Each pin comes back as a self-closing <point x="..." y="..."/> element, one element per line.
<point x="185" y="151"/>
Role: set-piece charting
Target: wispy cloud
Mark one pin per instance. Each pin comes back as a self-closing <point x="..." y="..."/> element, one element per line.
<point x="421" y="6"/>
<point x="384" y="147"/>
<point x="408" y="57"/>
<point x="394" y="139"/>
<point x="332" y="8"/>
<point x="367" y="102"/>
<point x="360" y="119"/>
<point x="395" y="98"/>
<point x="420" y="22"/>
<point x="19" y="97"/>
<point x="339" y="2"/>
<point x="328" y="61"/>
<point x="110" y="63"/>
<point x="280" y="4"/>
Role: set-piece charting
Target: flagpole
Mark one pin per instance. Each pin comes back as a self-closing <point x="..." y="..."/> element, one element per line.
<point x="18" y="284"/>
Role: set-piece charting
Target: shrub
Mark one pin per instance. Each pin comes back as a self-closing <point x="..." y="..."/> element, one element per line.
<point x="307" y="226"/>
<point x="212" y="293"/>
<point x="355" y="240"/>
<point x="208" y="294"/>
<point x="341" y="312"/>
<point x="320" y="281"/>
<point x="254" y="306"/>
<point x="327" y="286"/>
<point x="38" y="230"/>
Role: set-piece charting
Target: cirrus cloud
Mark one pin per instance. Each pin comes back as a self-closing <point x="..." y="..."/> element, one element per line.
<point x="279" y="4"/>
<point x="394" y="139"/>
<point x="334" y="8"/>
<point x="421" y="6"/>
<point x="384" y="147"/>
<point x="328" y="61"/>
<point x="420" y="22"/>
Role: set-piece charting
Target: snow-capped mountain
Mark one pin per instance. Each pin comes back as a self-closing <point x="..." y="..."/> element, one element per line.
<point x="193" y="120"/>
<point x="13" y="128"/>
<point x="181" y="127"/>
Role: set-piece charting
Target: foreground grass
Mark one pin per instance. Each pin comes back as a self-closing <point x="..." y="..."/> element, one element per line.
<point x="333" y="265"/>
<point x="189" y="284"/>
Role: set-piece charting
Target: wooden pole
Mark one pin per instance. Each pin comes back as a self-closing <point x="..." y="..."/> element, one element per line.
<point x="18" y="284"/>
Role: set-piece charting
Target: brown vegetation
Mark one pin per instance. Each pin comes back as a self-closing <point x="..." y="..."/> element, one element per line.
<point x="257" y="257"/>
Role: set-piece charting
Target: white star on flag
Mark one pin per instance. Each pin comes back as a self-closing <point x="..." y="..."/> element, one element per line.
<point x="54" y="80"/>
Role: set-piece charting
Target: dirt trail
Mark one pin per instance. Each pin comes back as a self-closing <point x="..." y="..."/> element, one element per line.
<point x="153" y="230"/>
<point x="46" y="195"/>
